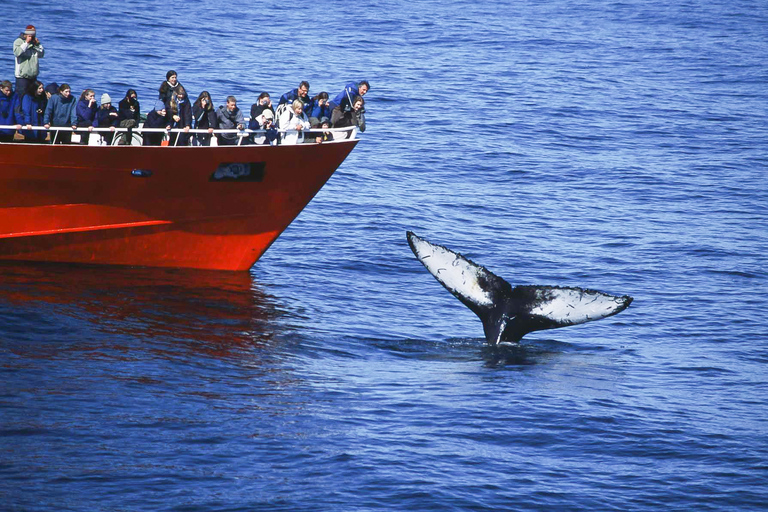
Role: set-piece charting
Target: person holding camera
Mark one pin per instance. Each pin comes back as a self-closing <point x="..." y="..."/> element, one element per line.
<point x="27" y="51"/>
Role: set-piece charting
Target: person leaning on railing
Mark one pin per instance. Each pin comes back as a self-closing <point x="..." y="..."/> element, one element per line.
<point x="60" y="111"/>
<point x="32" y="112"/>
<point x="158" y="118"/>
<point x="205" y="118"/>
<point x="8" y="116"/>
<point x="85" y="113"/>
<point x="229" y="117"/>
<point x="107" y="117"/>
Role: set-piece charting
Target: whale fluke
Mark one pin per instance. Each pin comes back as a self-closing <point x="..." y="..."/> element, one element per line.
<point x="509" y="313"/>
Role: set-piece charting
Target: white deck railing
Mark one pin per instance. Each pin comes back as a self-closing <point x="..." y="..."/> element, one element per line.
<point x="309" y="134"/>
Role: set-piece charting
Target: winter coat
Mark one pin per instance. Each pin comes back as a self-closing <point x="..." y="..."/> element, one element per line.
<point x="85" y="115"/>
<point x="60" y="111"/>
<point x="344" y="97"/>
<point x="293" y="95"/>
<point x="27" y="58"/>
<point x="106" y="117"/>
<point x="32" y="113"/>
<point x="315" y="110"/>
<point x="7" y="112"/>
<point x="155" y="120"/>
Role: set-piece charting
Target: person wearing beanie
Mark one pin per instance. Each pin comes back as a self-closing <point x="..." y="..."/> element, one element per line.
<point x="107" y="117"/>
<point x="27" y="51"/>
<point x="158" y="118"/>
<point x="169" y="87"/>
<point x="51" y="90"/>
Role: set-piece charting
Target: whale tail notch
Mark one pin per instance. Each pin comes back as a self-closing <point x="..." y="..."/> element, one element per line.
<point x="510" y="313"/>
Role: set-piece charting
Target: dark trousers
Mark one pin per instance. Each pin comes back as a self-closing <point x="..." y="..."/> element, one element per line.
<point x="61" y="137"/>
<point x="21" y="86"/>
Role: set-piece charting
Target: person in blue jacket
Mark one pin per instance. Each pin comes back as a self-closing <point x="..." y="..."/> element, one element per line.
<point x="344" y="98"/>
<point x="107" y="117"/>
<point x="32" y="112"/>
<point x="85" y="114"/>
<point x="300" y="93"/>
<point x="8" y="102"/>
<point x="60" y="111"/>
<point x="158" y="118"/>
<point x="317" y="109"/>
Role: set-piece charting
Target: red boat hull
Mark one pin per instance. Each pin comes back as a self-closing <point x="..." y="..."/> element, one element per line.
<point x="156" y="206"/>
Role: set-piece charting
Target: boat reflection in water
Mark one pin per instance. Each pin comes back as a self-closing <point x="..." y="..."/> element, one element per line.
<point x="49" y="308"/>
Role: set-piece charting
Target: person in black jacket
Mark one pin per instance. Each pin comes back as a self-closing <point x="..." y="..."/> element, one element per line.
<point x="205" y="118"/>
<point x="129" y="115"/>
<point x="169" y="87"/>
<point x="181" y="116"/>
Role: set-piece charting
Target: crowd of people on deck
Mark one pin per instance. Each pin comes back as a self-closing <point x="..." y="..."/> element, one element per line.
<point x="32" y="104"/>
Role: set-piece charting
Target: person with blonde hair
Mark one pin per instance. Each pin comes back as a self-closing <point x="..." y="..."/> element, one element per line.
<point x="294" y="122"/>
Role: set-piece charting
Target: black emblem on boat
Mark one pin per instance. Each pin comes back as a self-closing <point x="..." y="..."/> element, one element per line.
<point x="239" y="171"/>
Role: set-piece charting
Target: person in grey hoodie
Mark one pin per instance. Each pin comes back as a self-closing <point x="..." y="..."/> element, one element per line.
<point x="60" y="111"/>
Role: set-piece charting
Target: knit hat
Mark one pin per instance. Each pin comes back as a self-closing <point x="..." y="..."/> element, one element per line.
<point x="30" y="30"/>
<point x="52" y="88"/>
<point x="159" y="105"/>
<point x="105" y="98"/>
<point x="268" y="114"/>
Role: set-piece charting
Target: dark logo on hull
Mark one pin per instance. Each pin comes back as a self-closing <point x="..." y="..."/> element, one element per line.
<point x="239" y="171"/>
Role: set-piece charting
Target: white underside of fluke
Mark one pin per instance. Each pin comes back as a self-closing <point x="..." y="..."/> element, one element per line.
<point x="575" y="305"/>
<point x="453" y="270"/>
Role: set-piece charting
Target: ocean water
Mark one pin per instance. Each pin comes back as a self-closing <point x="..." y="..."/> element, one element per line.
<point x="617" y="145"/>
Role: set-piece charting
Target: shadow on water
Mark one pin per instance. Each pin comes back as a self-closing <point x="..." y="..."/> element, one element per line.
<point x="209" y="312"/>
<point x="527" y="353"/>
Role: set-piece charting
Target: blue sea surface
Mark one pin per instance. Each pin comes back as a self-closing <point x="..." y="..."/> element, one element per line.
<point x="615" y="145"/>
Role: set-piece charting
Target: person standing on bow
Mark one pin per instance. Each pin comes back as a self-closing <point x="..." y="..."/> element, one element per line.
<point x="27" y="51"/>
<point x="169" y="87"/>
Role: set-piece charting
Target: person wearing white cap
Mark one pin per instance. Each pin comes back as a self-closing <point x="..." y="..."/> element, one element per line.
<point x="107" y="117"/>
<point x="27" y="51"/>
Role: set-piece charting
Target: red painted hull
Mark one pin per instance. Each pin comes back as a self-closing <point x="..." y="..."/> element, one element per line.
<point x="155" y="206"/>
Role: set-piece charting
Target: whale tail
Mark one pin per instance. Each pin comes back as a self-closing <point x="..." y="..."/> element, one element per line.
<point x="510" y="313"/>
